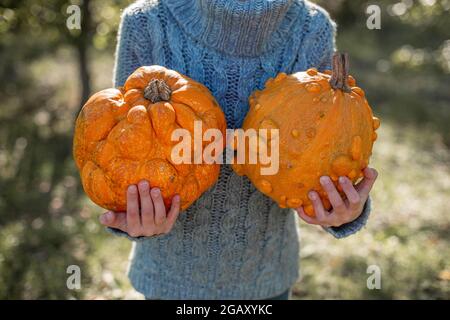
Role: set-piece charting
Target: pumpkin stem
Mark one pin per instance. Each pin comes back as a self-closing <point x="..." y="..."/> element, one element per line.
<point x="339" y="77"/>
<point x="157" y="90"/>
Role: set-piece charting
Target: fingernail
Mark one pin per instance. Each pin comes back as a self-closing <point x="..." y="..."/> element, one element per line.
<point x="132" y="188"/>
<point x="109" y="216"/>
<point x="155" y="192"/>
<point x="144" y="184"/>
<point x="324" y="180"/>
<point x="341" y="180"/>
<point x="312" y="195"/>
<point x="106" y="217"/>
<point x="176" y="198"/>
<point x="374" y="172"/>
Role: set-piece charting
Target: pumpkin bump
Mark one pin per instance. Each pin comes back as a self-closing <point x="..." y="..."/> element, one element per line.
<point x="123" y="135"/>
<point x="326" y="128"/>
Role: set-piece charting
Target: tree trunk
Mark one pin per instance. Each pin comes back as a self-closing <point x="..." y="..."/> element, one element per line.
<point x="82" y="46"/>
<point x="84" y="74"/>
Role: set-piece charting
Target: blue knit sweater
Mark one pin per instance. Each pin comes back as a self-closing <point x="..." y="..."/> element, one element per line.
<point x="234" y="242"/>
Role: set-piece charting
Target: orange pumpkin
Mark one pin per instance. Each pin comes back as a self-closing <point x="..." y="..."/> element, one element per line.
<point x="124" y="135"/>
<point x="326" y="127"/>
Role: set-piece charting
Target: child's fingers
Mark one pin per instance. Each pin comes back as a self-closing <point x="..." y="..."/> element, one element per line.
<point x="115" y="220"/>
<point x="159" y="208"/>
<point x="333" y="195"/>
<point x="353" y="197"/>
<point x="302" y="214"/>
<point x="133" y="219"/>
<point x="147" y="215"/>
<point x="364" y="187"/>
<point x="174" y="210"/>
<point x="318" y="206"/>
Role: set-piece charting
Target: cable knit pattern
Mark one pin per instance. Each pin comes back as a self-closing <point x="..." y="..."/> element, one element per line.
<point x="234" y="242"/>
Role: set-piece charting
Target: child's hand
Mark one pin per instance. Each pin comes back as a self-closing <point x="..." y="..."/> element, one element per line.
<point x="150" y="220"/>
<point x="343" y="211"/>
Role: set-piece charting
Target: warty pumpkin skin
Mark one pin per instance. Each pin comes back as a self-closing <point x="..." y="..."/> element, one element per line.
<point x="326" y="127"/>
<point x="124" y="135"/>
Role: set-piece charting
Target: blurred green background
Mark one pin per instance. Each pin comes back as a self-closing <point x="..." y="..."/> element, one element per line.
<point x="47" y="224"/>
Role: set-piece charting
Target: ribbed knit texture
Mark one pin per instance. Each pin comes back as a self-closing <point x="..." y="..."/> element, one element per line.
<point x="234" y="242"/>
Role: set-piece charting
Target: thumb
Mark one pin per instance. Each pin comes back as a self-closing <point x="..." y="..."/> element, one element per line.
<point x="116" y="220"/>
<point x="367" y="183"/>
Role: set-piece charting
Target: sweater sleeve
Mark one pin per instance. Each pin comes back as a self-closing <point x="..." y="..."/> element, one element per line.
<point x="126" y="60"/>
<point x="120" y="233"/>
<point x="352" y="227"/>
<point x="321" y="47"/>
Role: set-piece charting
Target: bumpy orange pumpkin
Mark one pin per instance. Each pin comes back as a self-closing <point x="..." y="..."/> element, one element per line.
<point x="326" y="127"/>
<point x="124" y="135"/>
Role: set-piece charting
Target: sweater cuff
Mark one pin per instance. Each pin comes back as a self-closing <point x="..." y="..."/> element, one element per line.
<point x="120" y="233"/>
<point x="352" y="227"/>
